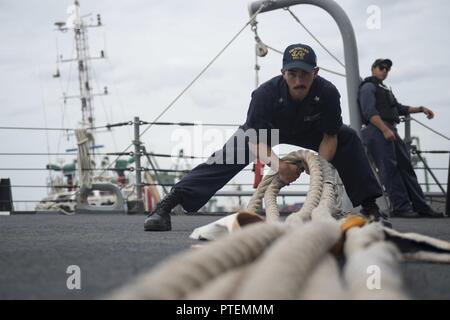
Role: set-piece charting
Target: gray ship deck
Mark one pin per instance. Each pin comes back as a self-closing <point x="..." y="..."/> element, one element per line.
<point x="36" y="250"/>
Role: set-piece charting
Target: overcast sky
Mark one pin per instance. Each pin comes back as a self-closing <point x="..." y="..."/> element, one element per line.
<point x="155" y="48"/>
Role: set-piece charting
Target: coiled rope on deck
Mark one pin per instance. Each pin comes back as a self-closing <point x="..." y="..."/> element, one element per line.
<point x="272" y="260"/>
<point x="192" y="270"/>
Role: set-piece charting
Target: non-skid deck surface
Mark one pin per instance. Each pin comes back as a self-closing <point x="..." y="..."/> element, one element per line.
<point x="36" y="250"/>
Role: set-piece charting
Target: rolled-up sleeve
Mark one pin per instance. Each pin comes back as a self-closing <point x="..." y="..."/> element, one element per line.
<point x="367" y="101"/>
<point x="402" y="109"/>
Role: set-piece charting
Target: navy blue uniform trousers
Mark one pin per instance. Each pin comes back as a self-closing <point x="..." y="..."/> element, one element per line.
<point x="395" y="170"/>
<point x="350" y="160"/>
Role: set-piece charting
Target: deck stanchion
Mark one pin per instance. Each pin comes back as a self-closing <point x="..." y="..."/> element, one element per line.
<point x="137" y="153"/>
<point x="447" y="202"/>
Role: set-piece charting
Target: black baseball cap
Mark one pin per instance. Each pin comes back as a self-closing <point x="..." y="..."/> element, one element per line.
<point x="299" y="56"/>
<point x="379" y="62"/>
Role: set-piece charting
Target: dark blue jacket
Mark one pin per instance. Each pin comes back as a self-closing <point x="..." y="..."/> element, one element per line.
<point x="272" y="108"/>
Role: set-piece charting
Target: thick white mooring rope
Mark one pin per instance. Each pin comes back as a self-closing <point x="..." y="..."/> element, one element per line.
<point x="190" y="271"/>
<point x="372" y="270"/>
<point x="275" y="260"/>
<point x="283" y="269"/>
<point x="324" y="282"/>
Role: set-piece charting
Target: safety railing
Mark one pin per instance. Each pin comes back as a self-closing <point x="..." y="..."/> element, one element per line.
<point x="137" y="169"/>
<point x="420" y="163"/>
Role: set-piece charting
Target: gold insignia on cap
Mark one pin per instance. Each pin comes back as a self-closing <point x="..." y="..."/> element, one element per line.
<point x="298" y="53"/>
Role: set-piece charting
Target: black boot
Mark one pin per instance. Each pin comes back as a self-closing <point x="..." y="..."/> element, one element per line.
<point x="372" y="212"/>
<point x="430" y="213"/>
<point x="159" y="219"/>
<point x="408" y="213"/>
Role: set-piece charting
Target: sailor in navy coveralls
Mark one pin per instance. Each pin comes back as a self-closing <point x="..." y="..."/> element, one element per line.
<point x="380" y="112"/>
<point x="305" y="108"/>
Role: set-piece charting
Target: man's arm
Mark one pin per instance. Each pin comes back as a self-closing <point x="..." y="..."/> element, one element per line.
<point x="421" y="109"/>
<point x="328" y="146"/>
<point x="404" y="110"/>
<point x="379" y="123"/>
<point x="287" y="172"/>
<point x="368" y="101"/>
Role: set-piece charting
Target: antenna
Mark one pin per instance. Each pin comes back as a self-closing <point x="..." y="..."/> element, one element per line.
<point x="60" y="24"/>
<point x="80" y="27"/>
<point x="57" y="73"/>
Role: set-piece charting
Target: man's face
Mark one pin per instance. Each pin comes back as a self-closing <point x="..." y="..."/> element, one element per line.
<point x="299" y="82"/>
<point x="381" y="71"/>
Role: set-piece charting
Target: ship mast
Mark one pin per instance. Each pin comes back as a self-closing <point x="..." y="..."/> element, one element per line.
<point x="82" y="48"/>
<point x="77" y="23"/>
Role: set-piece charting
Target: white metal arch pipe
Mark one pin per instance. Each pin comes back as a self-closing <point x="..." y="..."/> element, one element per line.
<point x="349" y="40"/>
